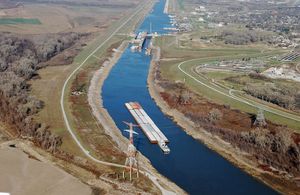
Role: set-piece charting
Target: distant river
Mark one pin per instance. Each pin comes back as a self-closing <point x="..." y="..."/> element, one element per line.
<point x="191" y="165"/>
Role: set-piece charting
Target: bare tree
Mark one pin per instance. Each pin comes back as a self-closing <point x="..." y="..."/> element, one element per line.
<point x="184" y="97"/>
<point x="215" y="115"/>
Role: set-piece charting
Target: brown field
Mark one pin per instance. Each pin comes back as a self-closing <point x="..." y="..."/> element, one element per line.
<point x="65" y="16"/>
<point x="23" y="175"/>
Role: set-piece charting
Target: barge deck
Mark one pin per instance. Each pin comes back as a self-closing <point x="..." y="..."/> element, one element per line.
<point x="149" y="128"/>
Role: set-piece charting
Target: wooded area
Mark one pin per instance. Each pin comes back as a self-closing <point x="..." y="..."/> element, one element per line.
<point x="244" y="37"/>
<point x="281" y="94"/>
<point x="20" y="58"/>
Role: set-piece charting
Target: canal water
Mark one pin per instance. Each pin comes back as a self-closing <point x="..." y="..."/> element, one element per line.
<point x="191" y="165"/>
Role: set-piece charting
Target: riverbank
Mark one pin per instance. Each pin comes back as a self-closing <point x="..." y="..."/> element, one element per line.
<point x="103" y="117"/>
<point x="215" y="143"/>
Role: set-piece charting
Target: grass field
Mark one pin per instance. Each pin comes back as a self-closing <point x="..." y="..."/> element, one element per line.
<point x="4" y="21"/>
<point x="169" y="69"/>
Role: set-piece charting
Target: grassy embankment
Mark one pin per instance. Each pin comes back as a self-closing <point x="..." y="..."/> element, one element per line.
<point x="169" y="69"/>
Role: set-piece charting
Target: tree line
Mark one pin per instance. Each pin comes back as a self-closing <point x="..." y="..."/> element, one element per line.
<point x="284" y="96"/>
<point x="281" y="94"/>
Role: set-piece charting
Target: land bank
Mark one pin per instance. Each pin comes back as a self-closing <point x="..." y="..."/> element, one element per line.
<point x="233" y="154"/>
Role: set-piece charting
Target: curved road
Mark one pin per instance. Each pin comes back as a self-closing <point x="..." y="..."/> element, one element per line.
<point x="66" y="120"/>
<point x="230" y="95"/>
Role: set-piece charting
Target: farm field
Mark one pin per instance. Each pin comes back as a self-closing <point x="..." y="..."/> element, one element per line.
<point x="23" y="171"/>
<point x="61" y="16"/>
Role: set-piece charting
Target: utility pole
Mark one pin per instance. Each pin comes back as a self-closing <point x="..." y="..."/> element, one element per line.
<point x="131" y="162"/>
<point x="260" y="119"/>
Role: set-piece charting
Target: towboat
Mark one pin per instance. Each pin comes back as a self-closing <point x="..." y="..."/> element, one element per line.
<point x="163" y="146"/>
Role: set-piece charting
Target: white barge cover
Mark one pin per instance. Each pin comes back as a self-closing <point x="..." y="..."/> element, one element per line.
<point x="153" y="133"/>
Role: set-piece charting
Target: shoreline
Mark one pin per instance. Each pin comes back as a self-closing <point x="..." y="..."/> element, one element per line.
<point x="224" y="149"/>
<point x="103" y="117"/>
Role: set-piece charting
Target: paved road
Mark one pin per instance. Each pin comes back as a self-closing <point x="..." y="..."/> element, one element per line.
<point x="232" y="96"/>
<point x="85" y="151"/>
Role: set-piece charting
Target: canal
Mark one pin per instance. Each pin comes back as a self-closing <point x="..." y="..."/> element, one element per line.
<point x="191" y="165"/>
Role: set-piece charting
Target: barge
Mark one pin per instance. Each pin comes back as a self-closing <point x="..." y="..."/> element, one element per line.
<point x="152" y="132"/>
